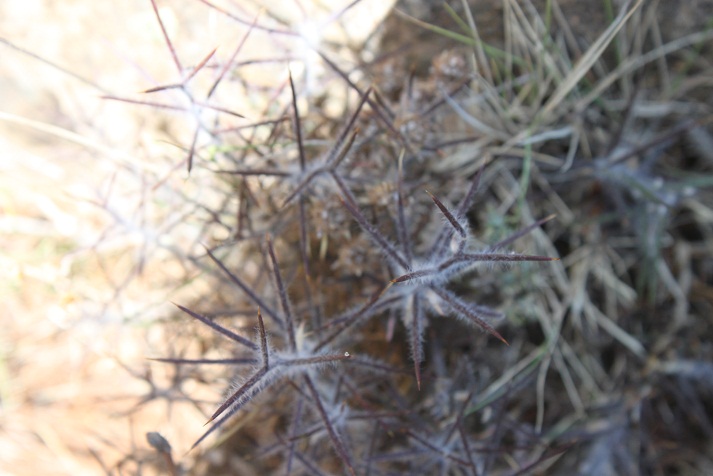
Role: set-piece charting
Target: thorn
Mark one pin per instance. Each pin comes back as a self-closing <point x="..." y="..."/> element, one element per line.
<point x="383" y="291"/>
<point x="501" y="338"/>
<point x="200" y="66"/>
<point x="263" y="336"/>
<point x="162" y="88"/>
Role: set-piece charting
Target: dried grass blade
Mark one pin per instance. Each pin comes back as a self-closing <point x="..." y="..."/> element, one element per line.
<point x="590" y="57"/>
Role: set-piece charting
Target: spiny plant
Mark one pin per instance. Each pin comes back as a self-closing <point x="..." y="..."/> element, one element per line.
<point x="271" y="365"/>
<point x="420" y="283"/>
<point x="350" y="204"/>
<point x="423" y="283"/>
<point x="408" y="286"/>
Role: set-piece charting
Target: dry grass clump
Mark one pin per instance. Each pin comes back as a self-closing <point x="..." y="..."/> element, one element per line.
<point x="496" y="265"/>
